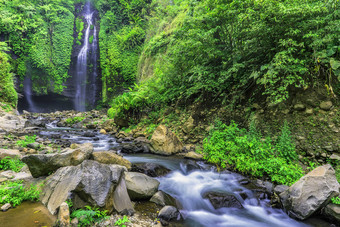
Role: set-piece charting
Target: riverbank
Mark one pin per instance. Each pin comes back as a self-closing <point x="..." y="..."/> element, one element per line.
<point x="56" y="132"/>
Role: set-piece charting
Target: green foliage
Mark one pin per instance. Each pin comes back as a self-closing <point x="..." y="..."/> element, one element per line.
<point x="79" y="25"/>
<point x="336" y="200"/>
<point x="9" y="163"/>
<point x="284" y="146"/>
<point x="248" y="153"/>
<point x="6" y="107"/>
<point x="122" y="221"/>
<point x="28" y="140"/>
<point x="80" y="35"/>
<point x="8" y="94"/>
<point x="15" y="193"/>
<point x="226" y="50"/>
<point x="74" y="120"/>
<point x="91" y="39"/>
<point x="40" y="36"/>
<point x="121" y="36"/>
<point x="89" y="216"/>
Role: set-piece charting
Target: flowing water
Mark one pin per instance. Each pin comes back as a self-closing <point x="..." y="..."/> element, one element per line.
<point x="28" y="95"/>
<point x="85" y="80"/>
<point x="188" y="182"/>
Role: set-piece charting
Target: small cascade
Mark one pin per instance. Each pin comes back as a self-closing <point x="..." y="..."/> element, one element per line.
<point x="86" y="67"/>
<point x="28" y="95"/>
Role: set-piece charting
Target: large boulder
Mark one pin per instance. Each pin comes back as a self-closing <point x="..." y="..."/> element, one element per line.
<point x="311" y="193"/>
<point x="165" y="142"/>
<point x="44" y="164"/>
<point x="90" y="183"/>
<point x="121" y="200"/>
<point x="107" y="157"/>
<point x="140" y="186"/>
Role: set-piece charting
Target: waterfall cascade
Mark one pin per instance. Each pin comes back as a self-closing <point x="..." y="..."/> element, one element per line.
<point x="28" y="95"/>
<point x="85" y="76"/>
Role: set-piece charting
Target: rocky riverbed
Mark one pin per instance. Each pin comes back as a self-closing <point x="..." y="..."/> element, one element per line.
<point x="84" y="158"/>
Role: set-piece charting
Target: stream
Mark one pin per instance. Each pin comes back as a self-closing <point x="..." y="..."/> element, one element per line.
<point x="188" y="182"/>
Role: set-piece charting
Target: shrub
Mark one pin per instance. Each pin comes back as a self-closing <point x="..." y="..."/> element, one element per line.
<point x="247" y="152"/>
<point x="15" y="193"/>
<point x="89" y="216"/>
<point x="336" y="200"/>
<point x="9" y="163"/>
<point x="74" y="120"/>
<point x="28" y="140"/>
<point x="122" y="221"/>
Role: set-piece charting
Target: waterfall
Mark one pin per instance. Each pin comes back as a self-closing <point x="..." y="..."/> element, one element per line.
<point x="85" y="77"/>
<point x="28" y="95"/>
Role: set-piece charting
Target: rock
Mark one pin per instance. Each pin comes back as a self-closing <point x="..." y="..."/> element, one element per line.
<point x="102" y="131"/>
<point x="9" y="153"/>
<point x="191" y="155"/>
<point x="219" y="200"/>
<point x="334" y="157"/>
<point x="35" y="146"/>
<point x="10" y="121"/>
<point x="312" y="192"/>
<point x="189" y="147"/>
<point x="142" y="140"/>
<point x="165" y="142"/>
<point x="35" y="123"/>
<point x="133" y="148"/>
<point x="108" y="125"/>
<point x="167" y="214"/>
<point x="13" y="176"/>
<point x="150" y="169"/>
<point x="163" y="199"/>
<point x="74" y="222"/>
<point x="44" y="164"/>
<point x="328" y="148"/>
<point x="9" y="174"/>
<point x="89" y="134"/>
<point x="326" y="105"/>
<point x="299" y="107"/>
<point x="332" y="212"/>
<point x="90" y="183"/>
<point x="121" y="122"/>
<point x="121" y="200"/>
<point x="107" y="157"/>
<point x="188" y="125"/>
<point x="280" y="188"/>
<point x="64" y="215"/>
<point x="140" y="186"/>
<point x="309" y="111"/>
<point x="6" y="207"/>
<point x="122" y="135"/>
<point x="268" y="186"/>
